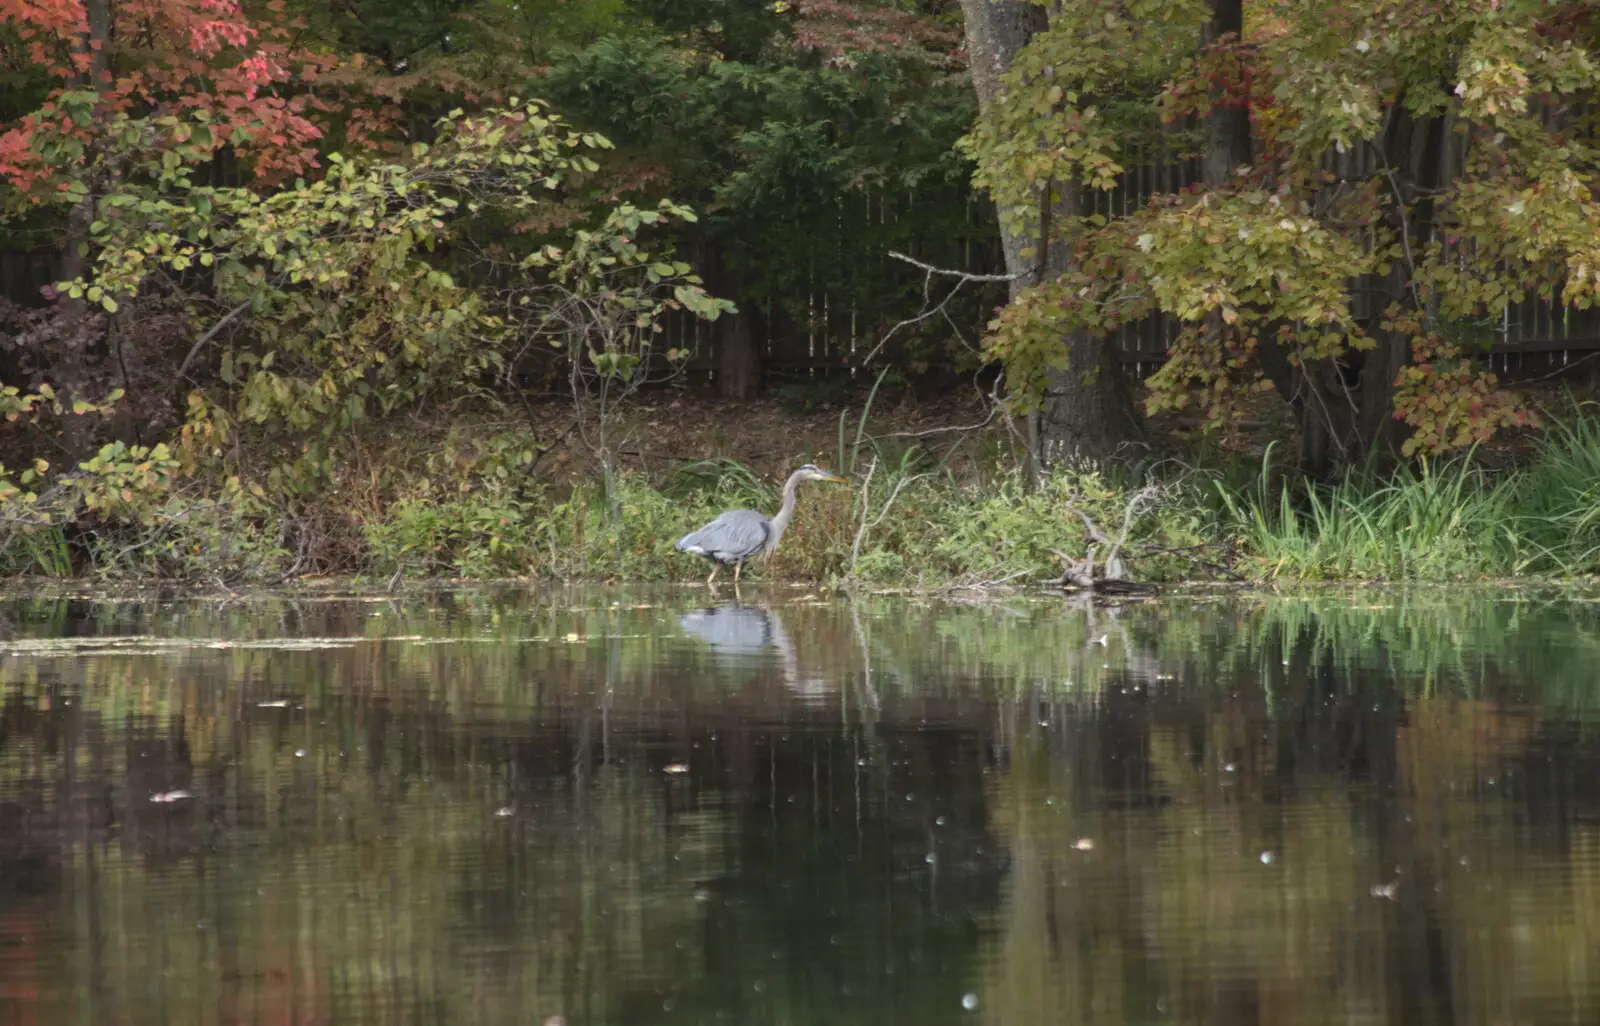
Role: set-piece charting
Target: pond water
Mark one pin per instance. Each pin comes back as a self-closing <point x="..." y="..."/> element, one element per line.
<point x="640" y="807"/>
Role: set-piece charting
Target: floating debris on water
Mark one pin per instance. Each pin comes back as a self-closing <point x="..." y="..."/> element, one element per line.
<point x="675" y="767"/>
<point x="168" y="797"/>
<point x="1084" y="844"/>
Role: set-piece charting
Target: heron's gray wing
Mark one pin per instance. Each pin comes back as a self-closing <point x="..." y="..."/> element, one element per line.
<point x="735" y="535"/>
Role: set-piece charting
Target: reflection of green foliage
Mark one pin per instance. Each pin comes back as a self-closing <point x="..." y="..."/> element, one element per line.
<point x="348" y="839"/>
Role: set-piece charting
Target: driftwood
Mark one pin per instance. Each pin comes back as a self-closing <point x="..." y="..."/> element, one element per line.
<point x="1108" y="577"/>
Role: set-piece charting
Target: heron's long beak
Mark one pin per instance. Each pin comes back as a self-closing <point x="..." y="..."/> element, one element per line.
<point x="836" y="479"/>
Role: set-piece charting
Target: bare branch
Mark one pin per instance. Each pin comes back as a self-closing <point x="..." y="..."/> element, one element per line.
<point x="929" y="273"/>
<point x="866" y="507"/>
<point x="1081" y="573"/>
<point x="1149" y="493"/>
<point x="948" y="273"/>
<point x="210" y="334"/>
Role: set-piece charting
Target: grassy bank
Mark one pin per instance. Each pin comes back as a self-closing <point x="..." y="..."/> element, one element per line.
<point x="476" y="502"/>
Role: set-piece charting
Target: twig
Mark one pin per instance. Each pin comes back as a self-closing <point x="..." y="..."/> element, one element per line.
<point x="929" y="272"/>
<point x="1564" y="367"/>
<point x="946" y="272"/>
<point x="294" y="569"/>
<point x="1405" y="225"/>
<point x="159" y="532"/>
<point x="1148" y="493"/>
<point x="866" y="500"/>
<point x="977" y="585"/>
<point x="1186" y="552"/>
<point x="943" y="430"/>
<point x="1082" y="572"/>
<point x="1095" y="534"/>
<point x="210" y="334"/>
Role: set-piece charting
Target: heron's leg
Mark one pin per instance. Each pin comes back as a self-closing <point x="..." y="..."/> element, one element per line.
<point x="714" y="568"/>
<point x="736" y="568"/>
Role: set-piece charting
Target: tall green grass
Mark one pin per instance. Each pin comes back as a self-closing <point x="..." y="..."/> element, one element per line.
<point x="1441" y="520"/>
<point x="1557" y="498"/>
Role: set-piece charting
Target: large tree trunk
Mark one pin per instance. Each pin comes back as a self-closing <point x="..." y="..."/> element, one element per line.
<point x="1346" y="407"/>
<point x="91" y="47"/>
<point x="1227" y="128"/>
<point x="1318" y="390"/>
<point x="1088" y="412"/>
<point x="1420" y="149"/>
<point x="738" y="356"/>
<point x="737" y="340"/>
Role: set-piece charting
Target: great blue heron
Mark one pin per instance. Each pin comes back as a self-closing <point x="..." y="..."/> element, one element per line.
<point x="742" y="534"/>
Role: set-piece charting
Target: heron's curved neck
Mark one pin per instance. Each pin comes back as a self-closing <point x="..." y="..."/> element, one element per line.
<point x="780" y="523"/>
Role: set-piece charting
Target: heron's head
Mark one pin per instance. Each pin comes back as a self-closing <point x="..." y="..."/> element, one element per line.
<point x="812" y="472"/>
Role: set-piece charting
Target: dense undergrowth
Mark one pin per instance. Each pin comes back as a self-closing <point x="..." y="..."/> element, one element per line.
<point x="475" y="506"/>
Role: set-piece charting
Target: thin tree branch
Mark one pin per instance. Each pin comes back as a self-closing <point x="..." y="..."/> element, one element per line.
<point x="929" y="273"/>
<point x="948" y="273"/>
<point x="866" y="507"/>
<point x="210" y="334"/>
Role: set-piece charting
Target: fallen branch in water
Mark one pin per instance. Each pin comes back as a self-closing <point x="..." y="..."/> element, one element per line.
<point x="1112" y="574"/>
<point x="1229" y="550"/>
<point x="984" y="585"/>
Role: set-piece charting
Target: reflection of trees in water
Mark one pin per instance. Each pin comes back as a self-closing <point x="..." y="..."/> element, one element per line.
<point x="373" y="874"/>
<point x="344" y="849"/>
<point x="1306" y="841"/>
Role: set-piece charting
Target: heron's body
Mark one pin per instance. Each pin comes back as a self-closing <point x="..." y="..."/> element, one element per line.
<point x="740" y="535"/>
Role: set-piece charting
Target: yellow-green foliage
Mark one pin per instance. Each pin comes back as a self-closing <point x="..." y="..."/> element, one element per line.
<point x="938" y="531"/>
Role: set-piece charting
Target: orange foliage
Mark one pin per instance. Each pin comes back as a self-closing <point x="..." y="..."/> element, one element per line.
<point x="171" y="56"/>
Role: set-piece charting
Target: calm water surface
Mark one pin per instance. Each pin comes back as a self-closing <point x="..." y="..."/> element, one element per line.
<point x="636" y="807"/>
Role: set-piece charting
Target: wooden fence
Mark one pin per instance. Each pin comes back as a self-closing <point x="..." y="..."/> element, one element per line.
<point x="1533" y="337"/>
<point x="834" y="332"/>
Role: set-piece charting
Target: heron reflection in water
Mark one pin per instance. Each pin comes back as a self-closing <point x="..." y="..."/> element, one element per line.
<point x="736" y="632"/>
<point x="743" y="534"/>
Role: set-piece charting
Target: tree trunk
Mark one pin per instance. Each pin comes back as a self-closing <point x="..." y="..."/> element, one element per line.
<point x="1420" y="149"/>
<point x="738" y="343"/>
<point x="1227" y="128"/>
<point x="1317" y="390"/>
<point x="738" y="356"/>
<point x="1346" y="407"/>
<point x="91" y="45"/>
<point x="1088" y="412"/>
